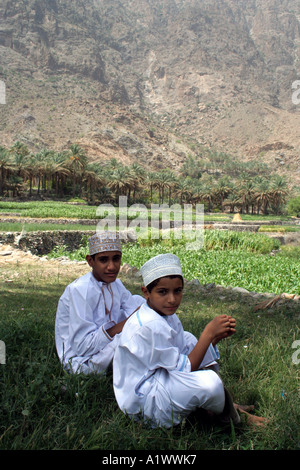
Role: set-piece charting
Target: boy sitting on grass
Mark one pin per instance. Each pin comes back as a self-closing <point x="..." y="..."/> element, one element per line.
<point x="93" y="309"/>
<point x="161" y="373"/>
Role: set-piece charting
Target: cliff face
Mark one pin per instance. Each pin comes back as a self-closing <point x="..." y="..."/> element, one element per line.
<point x="142" y="79"/>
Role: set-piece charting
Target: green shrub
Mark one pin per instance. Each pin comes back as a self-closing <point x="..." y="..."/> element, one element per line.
<point x="294" y="206"/>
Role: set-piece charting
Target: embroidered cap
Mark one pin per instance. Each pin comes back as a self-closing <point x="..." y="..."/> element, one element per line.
<point x="104" y="241"/>
<point x="160" y="266"/>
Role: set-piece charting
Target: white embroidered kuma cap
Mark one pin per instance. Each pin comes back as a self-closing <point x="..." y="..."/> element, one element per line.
<point x="104" y="241"/>
<point x="160" y="266"/>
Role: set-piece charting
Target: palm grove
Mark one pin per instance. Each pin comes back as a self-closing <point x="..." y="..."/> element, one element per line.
<point x="214" y="179"/>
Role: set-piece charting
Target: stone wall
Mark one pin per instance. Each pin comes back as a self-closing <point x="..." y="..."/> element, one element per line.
<point x="56" y="221"/>
<point x="237" y="227"/>
<point x="42" y="243"/>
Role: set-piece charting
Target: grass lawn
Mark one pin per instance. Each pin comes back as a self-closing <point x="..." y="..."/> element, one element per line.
<point x="43" y="408"/>
<point x="34" y="227"/>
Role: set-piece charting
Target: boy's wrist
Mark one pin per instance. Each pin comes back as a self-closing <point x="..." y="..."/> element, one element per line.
<point x="206" y="338"/>
<point x="207" y="335"/>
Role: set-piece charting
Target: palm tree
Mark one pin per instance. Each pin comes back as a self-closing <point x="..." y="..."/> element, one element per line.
<point x="165" y="180"/>
<point x="57" y="166"/>
<point x="112" y="165"/>
<point x="137" y="174"/>
<point x="31" y="171"/>
<point x="183" y="190"/>
<point x="4" y="166"/>
<point x="49" y="166"/>
<point x="221" y="190"/>
<point x="231" y="201"/>
<point x="77" y="163"/>
<point x="279" y="192"/>
<point x="262" y="194"/>
<point x="246" y="194"/>
<point x="39" y="167"/>
<point x="172" y="185"/>
<point x="19" y="170"/>
<point x="205" y="194"/>
<point x="119" y="181"/>
<point x="20" y="154"/>
<point x="94" y="179"/>
<point x="151" y="182"/>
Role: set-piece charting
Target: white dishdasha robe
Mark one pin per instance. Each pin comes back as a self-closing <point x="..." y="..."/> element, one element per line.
<point x="85" y="311"/>
<point x="152" y="374"/>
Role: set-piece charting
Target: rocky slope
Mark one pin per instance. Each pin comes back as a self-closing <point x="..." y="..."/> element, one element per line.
<point x="153" y="81"/>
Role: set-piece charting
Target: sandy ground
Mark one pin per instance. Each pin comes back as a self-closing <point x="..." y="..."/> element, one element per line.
<point x="11" y="257"/>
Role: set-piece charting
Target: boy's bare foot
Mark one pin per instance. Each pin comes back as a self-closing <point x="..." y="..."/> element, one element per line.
<point x="244" y="407"/>
<point x="251" y="419"/>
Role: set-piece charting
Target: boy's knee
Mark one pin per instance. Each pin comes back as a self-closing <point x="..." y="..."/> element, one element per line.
<point x="215" y="392"/>
<point x="215" y="382"/>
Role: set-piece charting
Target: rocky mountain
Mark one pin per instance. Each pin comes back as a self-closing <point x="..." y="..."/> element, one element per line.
<point x="154" y="80"/>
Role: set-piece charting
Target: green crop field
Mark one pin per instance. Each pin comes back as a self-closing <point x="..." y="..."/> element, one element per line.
<point x="227" y="258"/>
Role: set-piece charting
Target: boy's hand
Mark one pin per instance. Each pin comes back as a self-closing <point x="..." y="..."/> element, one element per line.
<point x="220" y="327"/>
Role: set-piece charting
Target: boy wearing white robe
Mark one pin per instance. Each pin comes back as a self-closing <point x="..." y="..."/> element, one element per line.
<point x="93" y="309"/>
<point x="161" y="372"/>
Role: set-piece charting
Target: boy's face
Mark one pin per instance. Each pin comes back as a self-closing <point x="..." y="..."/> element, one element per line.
<point x="105" y="266"/>
<point x="166" y="296"/>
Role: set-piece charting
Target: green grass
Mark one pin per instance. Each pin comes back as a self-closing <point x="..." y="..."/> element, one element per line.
<point x="48" y="209"/>
<point x="61" y="209"/>
<point x="279" y="228"/>
<point x="35" y="227"/>
<point x="262" y="217"/>
<point x="43" y="408"/>
<point x="290" y="251"/>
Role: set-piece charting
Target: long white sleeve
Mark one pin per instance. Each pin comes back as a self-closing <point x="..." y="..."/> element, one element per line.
<point x="148" y="342"/>
<point x="87" y="333"/>
<point x="82" y="322"/>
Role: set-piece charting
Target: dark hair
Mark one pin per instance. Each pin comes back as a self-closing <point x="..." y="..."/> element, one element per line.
<point x="156" y="281"/>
